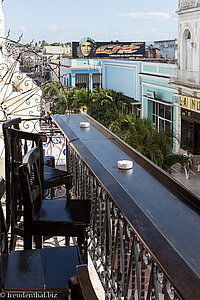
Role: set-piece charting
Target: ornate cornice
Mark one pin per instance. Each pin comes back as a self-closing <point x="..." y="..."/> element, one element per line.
<point x="184" y="4"/>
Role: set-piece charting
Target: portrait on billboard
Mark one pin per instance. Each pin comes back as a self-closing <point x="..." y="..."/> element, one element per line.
<point x="86" y="48"/>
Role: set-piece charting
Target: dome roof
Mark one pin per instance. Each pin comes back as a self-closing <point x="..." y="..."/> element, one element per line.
<point x="184" y="4"/>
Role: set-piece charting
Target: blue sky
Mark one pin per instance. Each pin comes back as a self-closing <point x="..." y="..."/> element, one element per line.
<point x="105" y="20"/>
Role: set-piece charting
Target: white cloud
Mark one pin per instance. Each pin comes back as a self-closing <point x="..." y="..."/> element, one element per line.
<point x="121" y="35"/>
<point x="160" y="34"/>
<point x="55" y="28"/>
<point x="22" y="28"/>
<point x="145" y="15"/>
<point x="18" y="29"/>
<point x="152" y="30"/>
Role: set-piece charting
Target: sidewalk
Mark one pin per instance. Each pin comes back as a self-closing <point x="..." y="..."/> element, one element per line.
<point x="193" y="183"/>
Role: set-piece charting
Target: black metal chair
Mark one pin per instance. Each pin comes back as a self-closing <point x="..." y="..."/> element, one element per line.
<point x="48" y="160"/>
<point x="7" y="143"/>
<point x="49" y="218"/>
<point x="51" y="177"/>
<point x="29" y="273"/>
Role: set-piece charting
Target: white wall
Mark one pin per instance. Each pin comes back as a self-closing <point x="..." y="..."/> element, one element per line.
<point x="189" y="20"/>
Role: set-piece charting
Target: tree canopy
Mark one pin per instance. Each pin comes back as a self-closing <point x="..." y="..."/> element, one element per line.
<point x="106" y="106"/>
<point x="143" y="136"/>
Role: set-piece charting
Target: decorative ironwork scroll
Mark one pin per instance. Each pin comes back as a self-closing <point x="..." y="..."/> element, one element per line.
<point x="22" y="82"/>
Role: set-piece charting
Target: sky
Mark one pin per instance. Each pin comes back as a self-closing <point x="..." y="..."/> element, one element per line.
<point x="104" y="20"/>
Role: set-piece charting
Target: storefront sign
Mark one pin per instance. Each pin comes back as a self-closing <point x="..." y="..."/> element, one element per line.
<point x="189" y="103"/>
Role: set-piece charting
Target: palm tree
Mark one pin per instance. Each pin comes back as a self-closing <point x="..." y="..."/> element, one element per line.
<point x="105" y="105"/>
<point x="142" y="135"/>
<point x="79" y="97"/>
<point x="99" y="105"/>
<point x="53" y="89"/>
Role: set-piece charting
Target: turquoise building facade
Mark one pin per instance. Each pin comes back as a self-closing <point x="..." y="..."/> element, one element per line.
<point x="146" y="85"/>
<point x="123" y="76"/>
<point x="160" y="98"/>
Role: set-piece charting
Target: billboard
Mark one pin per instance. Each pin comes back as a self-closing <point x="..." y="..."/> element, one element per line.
<point x="88" y="48"/>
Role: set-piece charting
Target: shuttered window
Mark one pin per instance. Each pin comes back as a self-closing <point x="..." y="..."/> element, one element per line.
<point x="82" y="78"/>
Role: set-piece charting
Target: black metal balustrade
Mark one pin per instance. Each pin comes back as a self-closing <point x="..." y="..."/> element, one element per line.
<point x="124" y="265"/>
<point x="133" y="259"/>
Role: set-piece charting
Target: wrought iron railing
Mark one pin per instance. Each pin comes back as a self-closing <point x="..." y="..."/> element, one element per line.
<point x="22" y="82"/>
<point x="125" y="266"/>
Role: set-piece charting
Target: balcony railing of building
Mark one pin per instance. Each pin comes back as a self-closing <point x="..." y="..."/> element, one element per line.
<point x="144" y="231"/>
<point x="186" y="78"/>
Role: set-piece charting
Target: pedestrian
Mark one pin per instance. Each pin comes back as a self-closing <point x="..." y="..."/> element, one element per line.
<point x="198" y="167"/>
<point x="188" y="164"/>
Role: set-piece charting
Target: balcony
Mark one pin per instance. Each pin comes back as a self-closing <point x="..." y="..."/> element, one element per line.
<point x="190" y="79"/>
<point x="143" y="237"/>
<point x="144" y="233"/>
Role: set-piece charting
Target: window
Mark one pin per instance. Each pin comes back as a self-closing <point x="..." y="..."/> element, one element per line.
<point x="187" y="50"/>
<point x="162" y="116"/>
<point x="188" y="36"/>
<point x="82" y="80"/>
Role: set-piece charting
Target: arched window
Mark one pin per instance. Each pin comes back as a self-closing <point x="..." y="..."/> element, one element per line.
<point x="188" y="35"/>
<point x="187" y="50"/>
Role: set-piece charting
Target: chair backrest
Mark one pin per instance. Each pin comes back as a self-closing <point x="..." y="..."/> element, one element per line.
<point x="3" y="231"/>
<point x="22" y="142"/>
<point x="31" y="186"/>
<point x="85" y="283"/>
<point x="14" y="123"/>
<point x="80" y="286"/>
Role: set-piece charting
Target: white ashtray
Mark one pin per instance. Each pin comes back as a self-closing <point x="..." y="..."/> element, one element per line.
<point x="125" y="164"/>
<point x="84" y="124"/>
